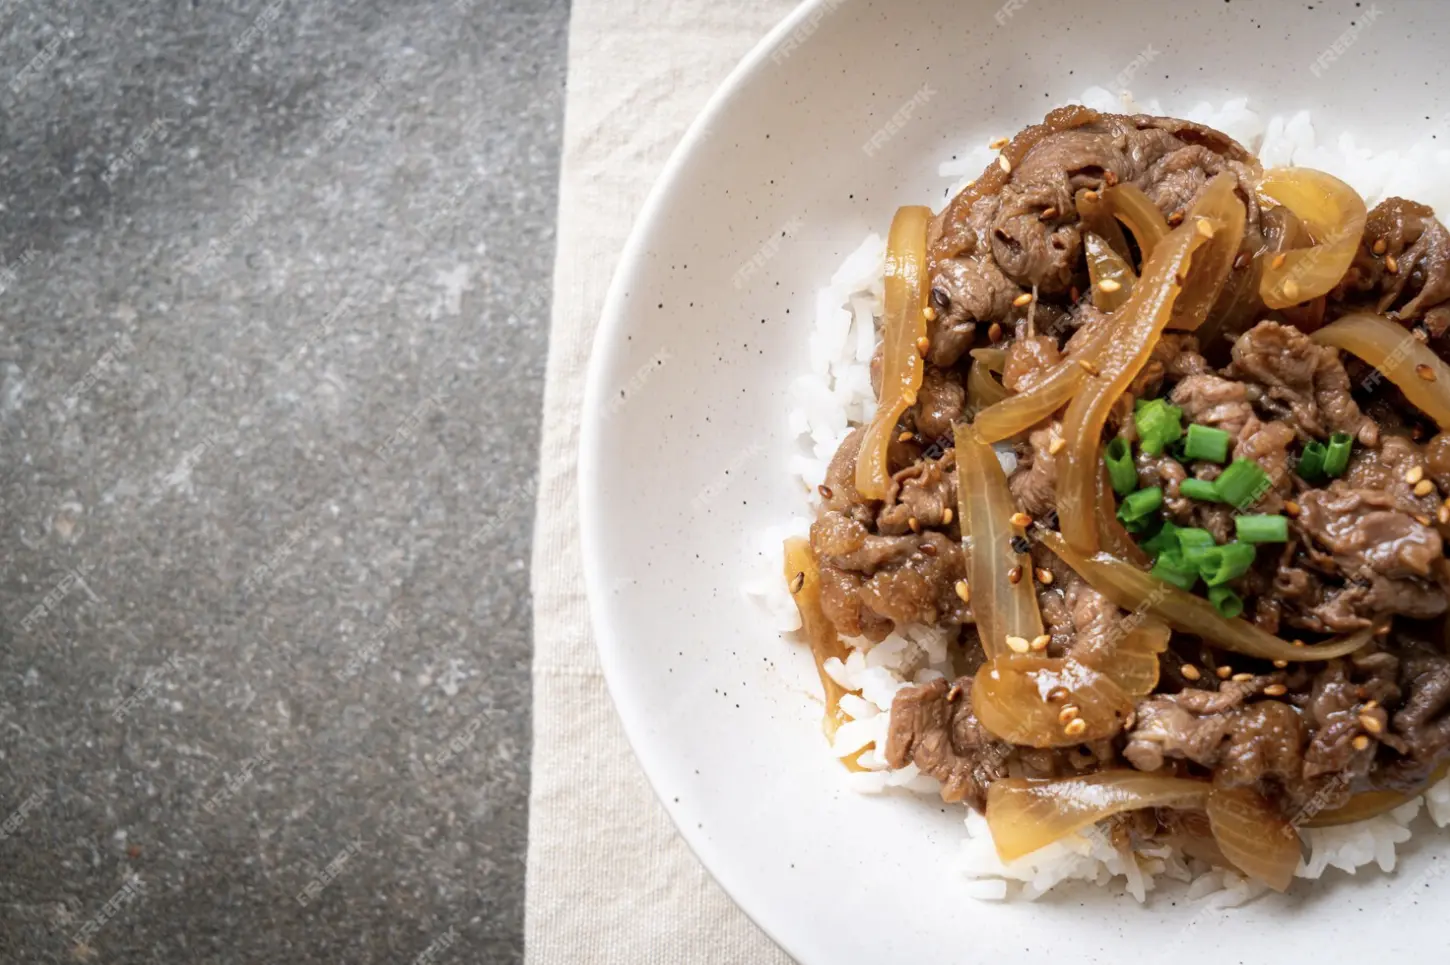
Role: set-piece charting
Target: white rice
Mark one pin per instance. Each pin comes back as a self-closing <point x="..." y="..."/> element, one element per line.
<point x="835" y="395"/>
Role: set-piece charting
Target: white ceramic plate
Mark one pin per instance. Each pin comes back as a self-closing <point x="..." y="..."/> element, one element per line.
<point x="685" y="442"/>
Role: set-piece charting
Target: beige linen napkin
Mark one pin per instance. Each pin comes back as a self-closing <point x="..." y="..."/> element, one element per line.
<point x="609" y="880"/>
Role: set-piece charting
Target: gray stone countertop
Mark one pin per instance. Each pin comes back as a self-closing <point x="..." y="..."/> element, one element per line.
<point x="272" y="335"/>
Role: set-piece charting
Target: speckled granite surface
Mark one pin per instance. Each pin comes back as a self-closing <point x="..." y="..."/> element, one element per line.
<point x="271" y="344"/>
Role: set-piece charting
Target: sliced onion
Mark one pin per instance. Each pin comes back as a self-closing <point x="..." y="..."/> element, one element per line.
<point x="1105" y="264"/>
<point x="1132" y="589"/>
<point x="1371" y="804"/>
<point x="1027" y="815"/>
<point x="1020" y="412"/>
<point x="804" y="578"/>
<point x="1254" y="836"/>
<point x="1135" y="330"/>
<point x="1405" y="360"/>
<point x="995" y="359"/>
<point x="1132" y="663"/>
<point x="1093" y="212"/>
<point x="1212" y="264"/>
<point x="1334" y="215"/>
<point x="904" y="325"/>
<point x="982" y="389"/>
<point x="1002" y="607"/>
<point x="1033" y="700"/>
<point x="1132" y="207"/>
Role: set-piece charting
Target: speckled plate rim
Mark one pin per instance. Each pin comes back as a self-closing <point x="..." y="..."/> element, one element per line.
<point x="606" y="347"/>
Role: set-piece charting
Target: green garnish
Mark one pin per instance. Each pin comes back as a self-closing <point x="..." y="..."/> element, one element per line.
<point x="1228" y="603"/>
<point x="1261" y="529"/>
<point x="1164" y="540"/>
<point x="1158" y="424"/>
<point x="1311" y="462"/>
<point x="1121" y="471"/>
<point x="1242" y="483"/>
<point x="1208" y="444"/>
<point x="1190" y="537"/>
<point x="1231" y="561"/>
<point x="1138" y="508"/>
<point x="1200" y="489"/>
<point x="1172" y="568"/>
<point x="1336" y="460"/>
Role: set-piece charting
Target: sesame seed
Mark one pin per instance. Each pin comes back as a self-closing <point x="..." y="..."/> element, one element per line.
<point x="1068" y="712"/>
<point x="909" y="397"/>
<point x="1291" y="289"/>
<point x="1281" y="664"/>
<point x="1425" y="372"/>
<point x="796" y="582"/>
<point x="994" y="332"/>
<point x="1048" y="214"/>
<point x="1415" y="475"/>
<point x="927" y="549"/>
<point x="1056" y="445"/>
<point x="1442" y="515"/>
<point x="1224" y="672"/>
<point x="914" y="524"/>
<point x="1021" y="520"/>
<point x="964" y="591"/>
<point x="1023" y="299"/>
<point x="1175" y="219"/>
<point x="1039" y="643"/>
<point x="1360" y="743"/>
<point x="1383" y="630"/>
<point x="1371" y="724"/>
<point x="929" y="313"/>
<point x="998" y="143"/>
<point x="1018" y="644"/>
<point x="946" y="516"/>
<point x="1087" y="366"/>
<point x="1380" y="246"/>
<point x="1275" y="690"/>
<point x="1057" y="695"/>
<point x="1422" y="519"/>
<point x="905" y="437"/>
<point x="1242" y="678"/>
<point x="1075" y="727"/>
<point x="1371" y="704"/>
<point x="1291" y="507"/>
<point x="1004" y="164"/>
<point x="826" y="491"/>
<point x="1014" y="575"/>
<point x="1278" y="261"/>
<point x="1392" y="266"/>
<point x="1424" y="487"/>
<point x="1298" y="643"/>
<point x="1204" y="228"/>
<point x="1110" y="178"/>
<point x="1190" y="672"/>
<point x="1089" y="195"/>
<point x="954" y="692"/>
<point x="1110" y="285"/>
<point x="923" y="345"/>
<point x="1045" y="577"/>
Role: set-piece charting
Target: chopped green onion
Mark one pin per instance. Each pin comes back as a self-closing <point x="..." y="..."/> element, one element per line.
<point x="1165" y="540"/>
<point x="1242" y="483"/>
<point x="1200" y="489"/>
<point x="1121" y="471"/>
<point x="1138" y="508"/>
<point x="1262" y="529"/>
<point x="1232" y="561"/>
<point x="1311" y="462"/>
<point x="1336" y="460"/>
<point x="1228" y="603"/>
<point x="1192" y="536"/>
<point x="1171" y="568"/>
<point x="1158" y="424"/>
<point x="1208" y="444"/>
